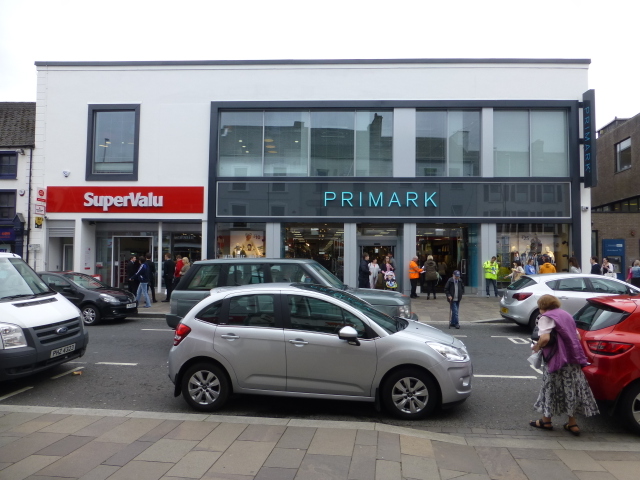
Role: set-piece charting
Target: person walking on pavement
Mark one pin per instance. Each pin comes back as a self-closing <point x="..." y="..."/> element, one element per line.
<point x="152" y="276"/>
<point x="363" y="272"/>
<point x="414" y="275"/>
<point x="547" y="266"/>
<point x="131" y="270"/>
<point x="454" y="289"/>
<point x="595" y="266"/>
<point x="176" y="272"/>
<point x="564" y="390"/>
<point x="168" y="271"/>
<point x="430" y="276"/>
<point x="374" y="270"/>
<point x="143" y="276"/>
<point x="491" y="275"/>
<point x="530" y="268"/>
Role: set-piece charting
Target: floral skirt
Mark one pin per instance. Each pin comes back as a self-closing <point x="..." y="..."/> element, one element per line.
<point x="565" y="392"/>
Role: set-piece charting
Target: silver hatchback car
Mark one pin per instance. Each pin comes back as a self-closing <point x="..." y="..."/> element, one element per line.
<point x="312" y="341"/>
<point x="520" y="299"/>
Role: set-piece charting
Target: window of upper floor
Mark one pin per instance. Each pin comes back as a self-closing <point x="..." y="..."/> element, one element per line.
<point x="112" y="142"/>
<point x="448" y="143"/>
<point x="7" y="205"/>
<point x="530" y="143"/>
<point x="8" y="165"/>
<point x="305" y="143"/>
<point x="623" y="155"/>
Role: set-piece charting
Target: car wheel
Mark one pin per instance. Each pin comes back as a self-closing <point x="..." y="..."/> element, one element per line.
<point x="205" y="387"/>
<point x="532" y="319"/>
<point x="629" y="407"/>
<point x="90" y="315"/>
<point x="410" y="394"/>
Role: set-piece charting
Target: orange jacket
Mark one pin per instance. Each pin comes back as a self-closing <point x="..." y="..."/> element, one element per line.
<point x="414" y="270"/>
<point x="547" y="268"/>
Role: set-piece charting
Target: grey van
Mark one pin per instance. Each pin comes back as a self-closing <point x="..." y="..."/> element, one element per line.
<point x="229" y="272"/>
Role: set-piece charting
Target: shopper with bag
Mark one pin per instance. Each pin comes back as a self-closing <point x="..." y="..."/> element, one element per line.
<point x="565" y="390"/>
<point x="430" y="276"/>
<point x="634" y="274"/>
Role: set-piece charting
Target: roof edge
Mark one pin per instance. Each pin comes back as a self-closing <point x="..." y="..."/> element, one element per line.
<point x="151" y="63"/>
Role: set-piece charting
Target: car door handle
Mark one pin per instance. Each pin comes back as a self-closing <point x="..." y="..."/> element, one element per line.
<point x="230" y="336"/>
<point x="298" y="342"/>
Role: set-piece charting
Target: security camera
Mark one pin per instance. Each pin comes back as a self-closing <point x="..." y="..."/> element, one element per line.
<point x="66" y="173"/>
<point x="585" y="209"/>
<point x="20" y="151"/>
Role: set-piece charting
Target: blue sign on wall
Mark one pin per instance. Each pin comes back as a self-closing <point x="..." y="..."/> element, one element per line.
<point x="613" y="250"/>
<point x="7" y="234"/>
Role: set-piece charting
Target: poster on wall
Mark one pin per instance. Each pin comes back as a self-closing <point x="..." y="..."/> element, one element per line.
<point x="247" y="243"/>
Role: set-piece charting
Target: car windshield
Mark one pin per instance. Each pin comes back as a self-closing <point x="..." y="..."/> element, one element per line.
<point x="521" y="283"/>
<point x="84" y="281"/>
<point x="18" y="280"/>
<point x="592" y="318"/>
<point x="390" y="324"/>
<point x="326" y="275"/>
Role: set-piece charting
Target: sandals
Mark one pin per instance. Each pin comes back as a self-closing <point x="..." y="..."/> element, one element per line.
<point x="542" y="424"/>
<point x="572" y="429"/>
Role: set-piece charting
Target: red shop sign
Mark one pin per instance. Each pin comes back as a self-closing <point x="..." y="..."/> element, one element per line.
<point x="125" y="199"/>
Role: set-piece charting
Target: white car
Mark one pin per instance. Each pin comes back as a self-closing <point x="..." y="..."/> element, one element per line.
<point x="520" y="299"/>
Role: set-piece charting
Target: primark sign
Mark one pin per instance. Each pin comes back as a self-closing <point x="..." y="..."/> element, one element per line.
<point x="284" y="199"/>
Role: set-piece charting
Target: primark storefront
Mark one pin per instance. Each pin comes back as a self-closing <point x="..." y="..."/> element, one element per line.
<point x="461" y="181"/>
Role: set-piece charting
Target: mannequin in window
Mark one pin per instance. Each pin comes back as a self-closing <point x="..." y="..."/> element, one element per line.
<point x="549" y="253"/>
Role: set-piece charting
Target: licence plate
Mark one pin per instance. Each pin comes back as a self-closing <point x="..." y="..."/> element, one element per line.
<point x="62" y="350"/>
<point x="504" y="310"/>
<point x="131" y="305"/>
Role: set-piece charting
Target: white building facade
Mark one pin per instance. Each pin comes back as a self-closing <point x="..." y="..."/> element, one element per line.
<point x="459" y="159"/>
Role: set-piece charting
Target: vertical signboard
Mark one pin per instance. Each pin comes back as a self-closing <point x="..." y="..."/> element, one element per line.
<point x="589" y="140"/>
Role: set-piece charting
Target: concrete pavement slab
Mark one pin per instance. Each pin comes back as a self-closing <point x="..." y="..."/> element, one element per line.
<point x="297" y="437"/>
<point x="579" y="460"/>
<point x="160" y="431"/>
<point x="263" y="433"/>
<point x="332" y="441"/>
<point x="82" y="460"/>
<point x="194" y="464"/>
<point x="190" y="430"/>
<point x="100" y="426"/>
<point x="71" y="424"/>
<point x="462" y="458"/>
<point x="500" y="464"/>
<point x="243" y="458"/>
<point x="142" y="471"/>
<point x="26" y="467"/>
<point x="594" y="476"/>
<point x="363" y="463"/>
<point x="19" y="449"/>
<point x="125" y="455"/>
<point x="129" y="431"/>
<point x="36" y="424"/>
<point x="101" y="472"/>
<point x="64" y="446"/>
<point x="367" y="437"/>
<point x="388" y="447"/>
<point x="449" y="474"/>
<point x="419" y="447"/>
<point x="419" y="468"/>
<point x="623" y="470"/>
<point x="546" y="470"/>
<point x="324" y="467"/>
<point x="285" y="458"/>
<point x="615" y="456"/>
<point x="267" y="473"/>
<point x="167" y="450"/>
<point x="388" y="470"/>
<point x="221" y="437"/>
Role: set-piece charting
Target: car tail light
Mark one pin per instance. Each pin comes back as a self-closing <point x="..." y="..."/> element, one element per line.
<point x="521" y="296"/>
<point x="181" y="333"/>
<point x="603" y="347"/>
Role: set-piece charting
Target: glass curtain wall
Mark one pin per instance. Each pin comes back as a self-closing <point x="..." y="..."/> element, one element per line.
<point x="448" y="143"/>
<point x="530" y="242"/>
<point x="342" y="143"/>
<point x="530" y="143"/>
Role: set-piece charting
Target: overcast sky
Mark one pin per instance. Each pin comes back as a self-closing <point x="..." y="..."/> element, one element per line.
<point x="75" y="30"/>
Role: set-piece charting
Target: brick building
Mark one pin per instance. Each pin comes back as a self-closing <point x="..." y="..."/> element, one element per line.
<point x="616" y="200"/>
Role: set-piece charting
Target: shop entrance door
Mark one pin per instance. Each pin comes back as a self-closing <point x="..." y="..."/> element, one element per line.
<point x="448" y="245"/>
<point x="67" y="257"/>
<point x="379" y="250"/>
<point x="123" y="249"/>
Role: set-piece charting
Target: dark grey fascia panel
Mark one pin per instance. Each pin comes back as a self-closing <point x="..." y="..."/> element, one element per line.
<point x="398" y="61"/>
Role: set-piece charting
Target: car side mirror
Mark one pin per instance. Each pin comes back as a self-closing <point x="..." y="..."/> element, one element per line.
<point x="350" y="335"/>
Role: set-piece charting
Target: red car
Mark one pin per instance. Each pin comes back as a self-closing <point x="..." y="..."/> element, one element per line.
<point x="610" y="332"/>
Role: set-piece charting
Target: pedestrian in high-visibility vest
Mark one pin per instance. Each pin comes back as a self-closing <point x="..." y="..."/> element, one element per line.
<point x="414" y="275"/>
<point x="490" y="268"/>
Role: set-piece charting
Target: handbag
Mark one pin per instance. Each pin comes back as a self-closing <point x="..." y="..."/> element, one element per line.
<point x="535" y="360"/>
<point x="552" y="344"/>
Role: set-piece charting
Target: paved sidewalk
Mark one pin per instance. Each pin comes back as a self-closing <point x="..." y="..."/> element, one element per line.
<point x="62" y="443"/>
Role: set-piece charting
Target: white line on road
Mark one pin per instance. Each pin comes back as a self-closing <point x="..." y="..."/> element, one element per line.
<point x="115" y="363"/>
<point x="66" y="373"/>
<point x="539" y="371"/>
<point x="80" y="363"/>
<point x="157" y="330"/>
<point x="15" y="393"/>
<point x="506" y="376"/>
<point x="459" y="336"/>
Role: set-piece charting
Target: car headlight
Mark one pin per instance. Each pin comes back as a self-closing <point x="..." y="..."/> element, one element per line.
<point x="11" y="336"/>
<point x="109" y="298"/>
<point x="453" y="354"/>
<point x="404" y="311"/>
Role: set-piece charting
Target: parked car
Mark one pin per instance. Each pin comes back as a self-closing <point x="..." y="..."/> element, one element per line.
<point x="519" y="301"/>
<point x="96" y="300"/>
<point x="208" y="274"/>
<point x="610" y="333"/>
<point x="312" y="341"/>
<point x="39" y="328"/>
